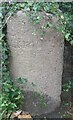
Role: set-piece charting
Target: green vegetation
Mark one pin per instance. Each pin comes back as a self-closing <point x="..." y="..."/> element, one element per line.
<point x="11" y="96"/>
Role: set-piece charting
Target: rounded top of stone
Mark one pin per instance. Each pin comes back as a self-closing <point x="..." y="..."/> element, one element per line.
<point x="21" y="13"/>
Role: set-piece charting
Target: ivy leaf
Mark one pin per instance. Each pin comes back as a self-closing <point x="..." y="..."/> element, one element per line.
<point x="22" y="80"/>
<point x="21" y="5"/>
<point x="35" y="7"/>
<point x="67" y="36"/>
<point x="30" y="3"/>
<point x="13" y="105"/>
<point x="49" y="25"/>
<point x="2" y="36"/>
<point x="1" y="16"/>
<point x="71" y="42"/>
<point x="18" y="97"/>
<point x="47" y="7"/>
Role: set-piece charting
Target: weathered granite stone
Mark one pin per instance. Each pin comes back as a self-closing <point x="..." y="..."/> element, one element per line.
<point x="38" y="59"/>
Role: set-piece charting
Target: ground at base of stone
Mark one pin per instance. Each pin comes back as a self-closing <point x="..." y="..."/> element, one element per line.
<point x="63" y="112"/>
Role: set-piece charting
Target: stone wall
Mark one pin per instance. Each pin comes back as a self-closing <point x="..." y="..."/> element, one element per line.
<point x="39" y="60"/>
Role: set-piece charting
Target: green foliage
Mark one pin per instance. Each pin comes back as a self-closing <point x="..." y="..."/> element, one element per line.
<point x="11" y="99"/>
<point x="67" y="9"/>
<point x="11" y="96"/>
<point x="22" y="80"/>
<point x="64" y="17"/>
<point x="68" y="86"/>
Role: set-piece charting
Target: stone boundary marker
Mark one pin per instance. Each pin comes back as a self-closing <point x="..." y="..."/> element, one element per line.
<point x="39" y="60"/>
<point x="35" y="0"/>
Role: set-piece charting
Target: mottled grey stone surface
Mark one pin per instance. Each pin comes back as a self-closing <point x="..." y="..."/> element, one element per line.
<point x="39" y="60"/>
<point x="38" y="104"/>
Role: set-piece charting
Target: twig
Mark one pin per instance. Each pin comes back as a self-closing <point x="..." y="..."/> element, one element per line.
<point x="70" y="113"/>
